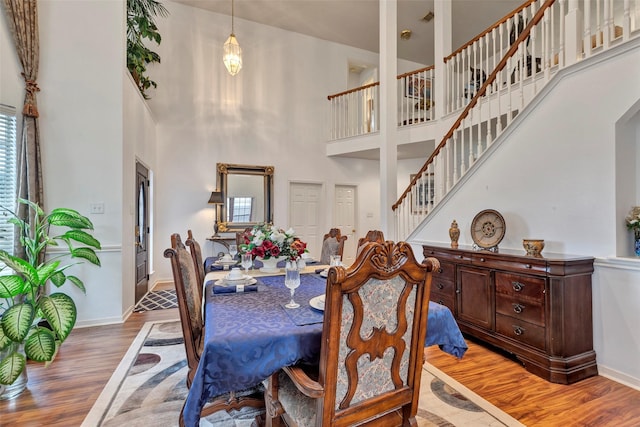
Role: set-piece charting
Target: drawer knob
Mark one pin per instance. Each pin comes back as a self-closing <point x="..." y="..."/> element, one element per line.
<point x="518" y="330"/>
<point x="527" y="266"/>
<point x="517" y="286"/>
<point x="518" y="308"/>
<point x="440" y="286"/>
<point x="481" y="259"/>
<point x="459" y="256"/>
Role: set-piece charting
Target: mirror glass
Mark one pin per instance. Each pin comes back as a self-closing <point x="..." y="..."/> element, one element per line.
<point x="248" y="195"/>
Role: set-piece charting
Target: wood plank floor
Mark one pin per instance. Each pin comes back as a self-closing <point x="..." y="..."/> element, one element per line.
<point x="595" y="401"/>
<point x="63" y="393"/>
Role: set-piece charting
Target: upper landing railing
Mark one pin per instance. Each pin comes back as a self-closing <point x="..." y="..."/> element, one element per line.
<point x="502" y="85"/>
<point x="356" y="111"/>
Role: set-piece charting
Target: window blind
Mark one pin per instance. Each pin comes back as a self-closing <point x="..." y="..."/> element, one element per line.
<point x="7" y="174"/>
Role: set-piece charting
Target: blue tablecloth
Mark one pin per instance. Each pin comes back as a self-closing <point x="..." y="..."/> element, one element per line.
<point x="249" y="336"/>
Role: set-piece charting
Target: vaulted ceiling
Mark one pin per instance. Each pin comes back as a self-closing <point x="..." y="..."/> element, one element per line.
<point x="355" y="22"/>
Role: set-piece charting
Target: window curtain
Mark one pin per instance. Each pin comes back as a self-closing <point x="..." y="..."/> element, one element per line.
<point x="22" y="19"/>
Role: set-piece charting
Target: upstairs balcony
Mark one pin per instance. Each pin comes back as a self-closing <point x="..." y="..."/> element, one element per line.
<point x="488" y="82"/>
<point x="569" y="31"/>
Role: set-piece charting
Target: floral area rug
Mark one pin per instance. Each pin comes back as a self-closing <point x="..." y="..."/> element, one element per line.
<point x="149" y="388"/>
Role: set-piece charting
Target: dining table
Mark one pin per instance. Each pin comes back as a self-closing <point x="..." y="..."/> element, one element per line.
<point x="250" y="335"/>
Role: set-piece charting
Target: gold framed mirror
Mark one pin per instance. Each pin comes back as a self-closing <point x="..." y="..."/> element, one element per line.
<point x="248" y="196"/>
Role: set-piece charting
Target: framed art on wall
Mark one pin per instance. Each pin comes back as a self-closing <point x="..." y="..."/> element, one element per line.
<point x="417" y="87"/>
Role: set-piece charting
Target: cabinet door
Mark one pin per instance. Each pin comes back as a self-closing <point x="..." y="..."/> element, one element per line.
<point x="475" y="297"/>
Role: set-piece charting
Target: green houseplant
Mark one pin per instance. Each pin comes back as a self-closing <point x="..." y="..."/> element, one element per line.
<point x="141" y="26"/>
<point x="31" y="318"/>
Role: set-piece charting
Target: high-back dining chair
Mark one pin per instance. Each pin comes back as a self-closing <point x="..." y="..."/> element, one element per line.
<point x="188" y="292"/>
<point x="332" y="244"/>
<point x="240" y="236"/>
<point x="372" y="236"/>
<point x="196" y="255"/>
<point x="375" y="324"/>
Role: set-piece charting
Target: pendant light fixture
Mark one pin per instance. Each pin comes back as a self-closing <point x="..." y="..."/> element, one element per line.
<point x="232" y="52"/>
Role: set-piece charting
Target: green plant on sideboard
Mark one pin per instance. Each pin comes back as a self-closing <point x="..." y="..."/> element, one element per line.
<point x="140" y="26"/>
<point x="31" y="317"/>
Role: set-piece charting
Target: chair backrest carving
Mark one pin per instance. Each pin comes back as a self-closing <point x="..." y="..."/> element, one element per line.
<point x="376" y="236"/>
<point x="372" y="236"/>
<point x="374" y="333"/>
<point x="196" y="255"/>
<point x="188" y="292"/>
<point x="332" y="244"/>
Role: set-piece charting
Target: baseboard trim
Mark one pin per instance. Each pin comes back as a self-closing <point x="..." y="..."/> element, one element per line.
<point x="161" y="282"/>
<point x="100" y="322"/>
<point x="619" y="377"/>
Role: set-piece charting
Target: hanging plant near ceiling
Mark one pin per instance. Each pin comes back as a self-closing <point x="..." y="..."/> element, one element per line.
<point x="141" y="28"/>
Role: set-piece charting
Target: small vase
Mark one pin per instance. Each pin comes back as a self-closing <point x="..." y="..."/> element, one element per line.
<point x="19" y="385"/>
<point x="636" y="234"/>
<point x="270" y="265"/>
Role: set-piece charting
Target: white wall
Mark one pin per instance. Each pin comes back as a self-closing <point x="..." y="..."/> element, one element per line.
<point x="272" y="113"/>
<point x="554" y="177"/>
<point x="11" y="83"/>
<point x="80" y="105"/>
<point x="139" y="145"/>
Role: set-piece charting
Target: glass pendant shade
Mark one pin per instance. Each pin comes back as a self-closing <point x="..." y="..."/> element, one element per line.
<point x="232" y="55"/>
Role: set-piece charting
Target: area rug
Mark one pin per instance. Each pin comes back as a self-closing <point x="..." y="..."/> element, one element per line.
<point x="148" y="388"/>
<point x="157" y="300"/>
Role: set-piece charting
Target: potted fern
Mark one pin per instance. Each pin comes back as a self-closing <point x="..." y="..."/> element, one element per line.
<point x="33" y="322"/>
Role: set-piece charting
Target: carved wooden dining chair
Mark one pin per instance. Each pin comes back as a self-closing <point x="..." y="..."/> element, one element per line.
<point x="332" y="244"/>
<point x="371" y="356"/>
<point x="372" y="236"/>
<point x="188" y="292"/>
<point x="240" y="236"/>
<point x="196" y="255"/>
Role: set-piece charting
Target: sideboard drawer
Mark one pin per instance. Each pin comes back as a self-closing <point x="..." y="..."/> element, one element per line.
<point x="521" y="331"/>
<point x="526" y="310"/>
<point x="444" y="299"/>
<point x="520" y="286"/>
<point x="528" y="265"/>
<point x="446" y="271"/>
<point x="447" y="255"/>
<point x="443" y="286"/>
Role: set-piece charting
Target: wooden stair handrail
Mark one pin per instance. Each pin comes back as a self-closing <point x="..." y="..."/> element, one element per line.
<point x="491" y="28"/>
<point x="483" y="89"/>
<point x="430" y="67"/>
<point x="356" y="89"/>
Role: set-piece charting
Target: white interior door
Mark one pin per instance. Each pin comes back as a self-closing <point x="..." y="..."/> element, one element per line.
<point x="304" y="214"/>
<point x="345" y="219"/>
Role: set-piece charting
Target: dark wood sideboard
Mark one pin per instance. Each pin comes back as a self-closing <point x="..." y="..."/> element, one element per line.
<point x="538" y="309"/>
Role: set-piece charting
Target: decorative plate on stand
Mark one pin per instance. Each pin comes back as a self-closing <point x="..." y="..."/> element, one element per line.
<point x="487" y="230"/>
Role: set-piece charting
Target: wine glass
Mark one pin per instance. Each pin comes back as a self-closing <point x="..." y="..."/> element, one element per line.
<point x="233" y="251"/>
<point x="292" y="281"/>
<point x="246" y="260"/>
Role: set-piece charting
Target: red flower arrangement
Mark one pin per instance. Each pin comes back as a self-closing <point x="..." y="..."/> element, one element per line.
<point x="266" y="241"/>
